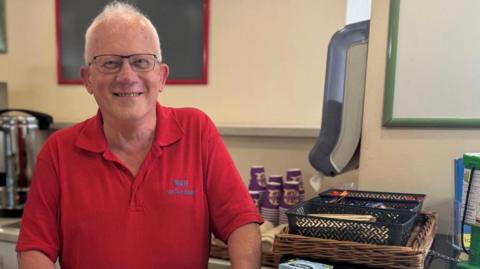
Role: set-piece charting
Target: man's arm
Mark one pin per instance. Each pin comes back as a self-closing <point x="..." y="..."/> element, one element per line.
<point x="244" y="247"/>
<point x="33" y="259"/>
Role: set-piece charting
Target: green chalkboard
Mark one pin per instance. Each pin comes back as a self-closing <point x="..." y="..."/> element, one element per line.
<point x="3" y="32"/>
<point x="181" y="24"/>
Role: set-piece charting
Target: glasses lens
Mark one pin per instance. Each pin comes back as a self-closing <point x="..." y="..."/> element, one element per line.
<point x="108" y="63"/>
<point x="142" y="62"/>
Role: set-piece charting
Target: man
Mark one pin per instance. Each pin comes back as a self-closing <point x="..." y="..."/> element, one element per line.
<point x="139" y="185"/>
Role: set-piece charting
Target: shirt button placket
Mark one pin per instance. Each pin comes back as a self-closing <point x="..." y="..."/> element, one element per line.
<point x="136" y="201"/>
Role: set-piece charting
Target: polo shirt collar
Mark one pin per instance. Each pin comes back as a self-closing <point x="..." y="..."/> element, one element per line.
<point x="91" y="137"/>
<point x="167" y="131"/>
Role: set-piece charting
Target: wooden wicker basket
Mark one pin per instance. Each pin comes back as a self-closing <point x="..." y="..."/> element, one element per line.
<point x="382" y="256"/>
<point x="222" y="253"/>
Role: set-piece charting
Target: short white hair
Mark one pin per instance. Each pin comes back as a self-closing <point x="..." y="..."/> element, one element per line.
<point x="123" y="10"/>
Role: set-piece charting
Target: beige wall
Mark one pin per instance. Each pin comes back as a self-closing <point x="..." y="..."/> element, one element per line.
<point x="406" y="159"/>
<point x="267" y="62"/>
<point x="267" y="66"/>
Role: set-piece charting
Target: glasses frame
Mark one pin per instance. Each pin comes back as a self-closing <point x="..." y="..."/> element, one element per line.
<point x="92" y="62"/>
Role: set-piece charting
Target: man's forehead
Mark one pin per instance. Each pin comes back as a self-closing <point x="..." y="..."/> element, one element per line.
<point x="124" y="32"/>
<point x="123" y="36"/>
<point x="121" y="25"/>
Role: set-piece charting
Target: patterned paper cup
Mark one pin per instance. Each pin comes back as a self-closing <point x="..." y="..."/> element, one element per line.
<point x="257" y="178"/>
<point x="290" y="194"/>
<point x="295" y="174"/>
<point x="272" y="195"/>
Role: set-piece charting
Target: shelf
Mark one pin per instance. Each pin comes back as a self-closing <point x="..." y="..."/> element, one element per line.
<point x="269" y="131"/>
<point x="290" y="131"/>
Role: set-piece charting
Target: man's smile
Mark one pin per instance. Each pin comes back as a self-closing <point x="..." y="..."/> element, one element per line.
<point x="127" y="94"/>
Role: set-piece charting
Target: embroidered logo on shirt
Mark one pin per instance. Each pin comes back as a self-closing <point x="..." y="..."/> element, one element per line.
<point x="180" y="187"/>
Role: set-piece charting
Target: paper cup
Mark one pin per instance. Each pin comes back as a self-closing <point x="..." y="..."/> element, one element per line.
<point x="257" y="178"/>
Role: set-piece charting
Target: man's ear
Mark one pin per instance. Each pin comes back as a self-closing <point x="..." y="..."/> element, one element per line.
<point x="164" y="70"/>
<point x="85" y="74"/>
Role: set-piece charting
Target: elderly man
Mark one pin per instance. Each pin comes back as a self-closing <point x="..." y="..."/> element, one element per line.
<point x="139" y="185"/>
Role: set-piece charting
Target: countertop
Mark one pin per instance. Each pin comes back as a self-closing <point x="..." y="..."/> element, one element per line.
<point x="10" y="235"/>
<point x="441" y="245"/>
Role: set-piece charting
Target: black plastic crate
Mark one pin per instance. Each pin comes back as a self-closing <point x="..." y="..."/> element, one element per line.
<point x="413" y="206"/>
<point x="391" y="227"/>
<point x="378" y="196"/>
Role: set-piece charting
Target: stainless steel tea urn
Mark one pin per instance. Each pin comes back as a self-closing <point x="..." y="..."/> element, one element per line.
<point x="19" y="136"/>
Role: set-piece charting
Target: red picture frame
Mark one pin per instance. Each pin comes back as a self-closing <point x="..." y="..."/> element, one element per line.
<point x="191" y="70"/>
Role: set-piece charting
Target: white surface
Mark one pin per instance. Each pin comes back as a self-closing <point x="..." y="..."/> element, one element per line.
<point x="8" y="256"/>
<point x="358" y="10"/>
<point x="214" y="263"/>
<point x="437" y="74"/>
<point x="8" y="239"/>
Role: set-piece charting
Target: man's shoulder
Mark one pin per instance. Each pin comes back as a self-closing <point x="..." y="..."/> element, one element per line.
<point x="192" y="120"/>
<point x="187" y="112"/>
<point x="188" y="115"/>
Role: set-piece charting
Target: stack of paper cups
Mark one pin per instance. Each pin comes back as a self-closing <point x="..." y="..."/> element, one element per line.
<point x="294" y="174"/>
<point x="271" y="202"/>
<point x="290" y="197"/>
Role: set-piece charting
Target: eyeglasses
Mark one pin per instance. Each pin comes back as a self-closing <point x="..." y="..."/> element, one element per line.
<point x="109" y="63"/>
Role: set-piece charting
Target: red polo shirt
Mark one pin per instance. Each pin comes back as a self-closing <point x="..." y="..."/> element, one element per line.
<point x="86" y="208"/>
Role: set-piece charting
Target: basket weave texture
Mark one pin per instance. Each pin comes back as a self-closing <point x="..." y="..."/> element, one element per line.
<point x="392" y="227"/>
<point x="222" y="253"/>
<point x="381" y="256"/>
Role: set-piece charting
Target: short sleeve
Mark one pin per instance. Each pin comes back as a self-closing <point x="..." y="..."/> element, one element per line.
<point x="228" y="198"/>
